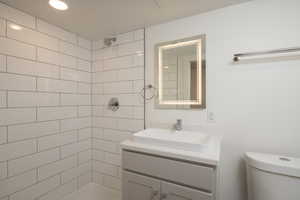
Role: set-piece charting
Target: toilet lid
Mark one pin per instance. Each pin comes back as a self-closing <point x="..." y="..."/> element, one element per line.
<point x="274" y="163"/>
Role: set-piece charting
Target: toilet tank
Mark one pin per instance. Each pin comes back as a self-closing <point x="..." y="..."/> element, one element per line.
<point x="272" y="177"/>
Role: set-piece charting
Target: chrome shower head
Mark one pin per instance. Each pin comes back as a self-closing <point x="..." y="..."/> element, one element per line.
<point x="109" y="41"/>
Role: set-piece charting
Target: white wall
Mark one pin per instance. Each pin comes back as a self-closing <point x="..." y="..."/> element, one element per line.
<point x="118" y="71"/>
<point x="45" y="109"/>
<point x="256" y="105"/>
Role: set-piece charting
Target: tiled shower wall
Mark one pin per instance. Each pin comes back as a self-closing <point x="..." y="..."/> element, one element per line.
<point x="45" y="109"/>
<point x="118" y="71"/>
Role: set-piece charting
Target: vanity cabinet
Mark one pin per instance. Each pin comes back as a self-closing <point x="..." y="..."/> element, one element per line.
<point x="154" y="177"/>
<point x="139" y="187"/>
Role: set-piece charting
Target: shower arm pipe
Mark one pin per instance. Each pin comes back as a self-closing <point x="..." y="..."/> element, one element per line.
<point x="236" y="57"/>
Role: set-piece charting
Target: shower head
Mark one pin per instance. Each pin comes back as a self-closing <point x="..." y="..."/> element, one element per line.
<point x="109" y="41"/>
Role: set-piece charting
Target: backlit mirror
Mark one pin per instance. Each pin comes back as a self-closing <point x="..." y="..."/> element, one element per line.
<point x="180" y="73"/>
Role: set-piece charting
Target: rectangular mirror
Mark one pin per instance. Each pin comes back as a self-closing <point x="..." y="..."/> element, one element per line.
<point x="180" y="73"/>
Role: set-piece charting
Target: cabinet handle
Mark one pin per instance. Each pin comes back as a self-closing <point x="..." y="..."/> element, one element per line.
<point x="163" y="196"/>
<point x="154" y="193"/>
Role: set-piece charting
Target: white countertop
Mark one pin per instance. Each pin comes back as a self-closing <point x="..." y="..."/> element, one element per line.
<point x="209" y="155"/>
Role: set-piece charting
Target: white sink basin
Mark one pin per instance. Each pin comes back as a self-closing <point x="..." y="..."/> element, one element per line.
<point x="184" y="140"/>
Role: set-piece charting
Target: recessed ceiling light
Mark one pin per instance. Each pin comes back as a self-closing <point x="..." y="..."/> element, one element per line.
<point x="58" y="4"/>
<point x="15" y="27"/>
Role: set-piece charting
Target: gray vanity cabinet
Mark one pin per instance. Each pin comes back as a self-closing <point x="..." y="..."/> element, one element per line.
<point x="153" y="177"/>
<point x="171" y="191"/>
<point x="137" y="187"/>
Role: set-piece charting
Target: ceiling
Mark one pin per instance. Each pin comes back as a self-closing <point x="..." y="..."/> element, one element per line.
<point x="95" y="19"/>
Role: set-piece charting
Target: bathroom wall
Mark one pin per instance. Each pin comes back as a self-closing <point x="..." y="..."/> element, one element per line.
<point x="45" y="108"/>
<point x="253" y="105"/>
<point x="118" y="71"/>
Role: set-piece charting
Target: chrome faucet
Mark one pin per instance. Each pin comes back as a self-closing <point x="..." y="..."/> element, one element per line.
<point x="178" y="125"/>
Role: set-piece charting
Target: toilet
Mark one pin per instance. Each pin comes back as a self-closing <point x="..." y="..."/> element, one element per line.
<point x="272" y="177"/>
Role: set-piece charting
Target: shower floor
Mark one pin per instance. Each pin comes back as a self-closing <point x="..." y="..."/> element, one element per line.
<point x="94" y="191"/>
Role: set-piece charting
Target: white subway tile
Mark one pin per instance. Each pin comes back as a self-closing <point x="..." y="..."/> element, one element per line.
<point x="76" y="123"/>
<point x="37" y="190"/>
<point x="74" y="148"/>
<point x="139" y="34"/>
<point x="98" y="44"/>
<point x="84" y="156"/>
<point x="97" y="88"/>
<point x="116" y="135"/>
<point x="57" y="140"/>
<point x="16" y="183"/>
<point x="33" y="37"/>
<point x="82" y="42"/>
<point x="84" y="179"/>
<point x="97" y="66"/>
<point x="105" y="53"/>
<point x="131" y="74"/>
<point x="75" y="172"/>
<point x="56" y="167"/>
<point x="61" y="191"/>
<point x="53" y="113"/>
<point x="84" y="54"/>
<point x="104" y="122"/>
<point x="2" y="63"/>
<point x="106" y="76"/>
<point x="105" y="168"/>
<point x="2" y="27"/>
<point x="75" y="99"/>
<point x="98" y="99"/>
<point x="98" y="155"/>
<point x="17" y="149"/>
<point x="2" y="99"/>
<point x="30" y="162"/>
<point x="26" y="131"/>
<point x="118" y="87"/>
<point x="15" y="116"/>
<point x="84" y="133"/>
<point x="23" y="99"/>
<point x="125" y="37"/>
<point x="97" y="177"/>
<point x="67" y="48"/>
<point x="16" y="82"/>
<point x="17" y="16"/>
<point x="21" y="66"/>
<point x="119" y="63"/>
<point x="131" y="99"/>
<point x="84" y="111"/>
<point x="131" y="48"/>
<point x="138" y="112"/>
<point x="69" y="74"/>
<point x="84" y="65"/>
<point x="105" y="145"/>
<point x="3" y="170"/>
<point x="130" y="124"/>
<point x="3" y="135"/>
<point x="111" y="158"/>
<point x="51" y="85"/>
<point x="112" y="182"/>
<point x="84" y="88"/>
<point x="97" y="133"/>
<point x="138" y="85"/>
<point x="15" y="48"/>
<point x="52" y="57"/>
<point x="56" y="31"/>
<point x="138" y="60"/>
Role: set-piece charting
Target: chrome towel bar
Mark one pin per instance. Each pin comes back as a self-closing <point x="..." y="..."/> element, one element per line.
<point x="236" y="57"/>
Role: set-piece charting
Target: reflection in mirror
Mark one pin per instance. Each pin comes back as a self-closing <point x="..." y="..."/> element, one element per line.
<point x="181" y="73"/>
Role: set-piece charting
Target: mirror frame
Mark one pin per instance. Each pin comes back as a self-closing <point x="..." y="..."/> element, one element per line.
<point x="179" y="104"/>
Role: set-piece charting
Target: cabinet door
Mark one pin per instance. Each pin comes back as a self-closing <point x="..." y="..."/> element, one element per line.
<point x="171" y="191"/>
<point x="138" y="187"/>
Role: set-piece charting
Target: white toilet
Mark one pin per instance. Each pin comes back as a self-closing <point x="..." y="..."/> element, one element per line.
<point x="272" y="177"/>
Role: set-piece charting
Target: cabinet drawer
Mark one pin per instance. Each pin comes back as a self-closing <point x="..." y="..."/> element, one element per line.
<point x="172" y="192"/>
<point x="177" y="171"/>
